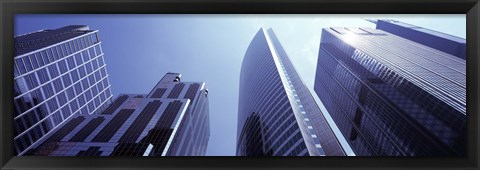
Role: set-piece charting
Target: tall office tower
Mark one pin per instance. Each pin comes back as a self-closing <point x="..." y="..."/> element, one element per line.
<point x="391" y="96"/>
<point x="172" y="120"/>
<point x="277" y="115"/>
<point x="444" y="42"/>
<point x="57" y="74"/>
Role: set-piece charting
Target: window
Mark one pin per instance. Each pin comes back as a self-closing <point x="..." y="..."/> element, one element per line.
<point x="92" y="52"/>
<point x="104" y="73"/>
<point x="99" y="87"/>
<point x="89" y="39"/>
<point x="21" y="66"/>
<point x="82" y="42"/>
<point x="56" y="53"/>
<point x="62" y="98"/>
<point x="82" y="71"/>
<point x="78" y="89"/>
<point x="74" y="75"/>
<point x="53" y="70"/>
<point x="94" y="64"/>
<point x="88" y="66"/>
<point x="97" y="76"/>
<point x="47" y="90"/>
<point x="105" y="83"/>
<point x="33" y="79"/>
<point x="74" y="45"/>
<point x="81" y="100"/>
<point x="78" y="59"/>
<point x="34" y="61"/>
<point x="100" y="61"/>
<point x="58" y="85"/>
<point x="74" y="106"/>
<point x="91" y="108"/>
<point x="39" y="59"/>
<point x="42" y="75"/>
<point x="63" y="66"/>
<point x="66" y="80"/>
<point x="98" y="49"/>
<point x="53" y="104"/>
<point x="91" y="79"/>
<point x="103" y="97"/>
<point x="39" y="94"/>
<point x="49" y="53"/>
<point x="88" y="95"/>
<point x="70" y="93"/>
<point x="70" y="47"/>
<point x="63" y="50"/>
<point x="28" y="64"/>
<point x="85" y="56"/>
<point x="71" y="62"/>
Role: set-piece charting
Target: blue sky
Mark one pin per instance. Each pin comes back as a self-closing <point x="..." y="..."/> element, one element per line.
<point x="140" y="49"/>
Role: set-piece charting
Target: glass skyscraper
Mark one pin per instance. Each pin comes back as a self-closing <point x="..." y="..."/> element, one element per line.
<point x="57" y="74"/>
<point x="277" y="115"/>
<point x="444" y="42"/>
<point x="391" y="96"/>
<point x="172" y="120"/>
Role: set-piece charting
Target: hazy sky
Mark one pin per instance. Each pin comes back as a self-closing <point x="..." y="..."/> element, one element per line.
<point x="140" y="49"/>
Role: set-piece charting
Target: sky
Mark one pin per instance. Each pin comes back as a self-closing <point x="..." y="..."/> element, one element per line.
<point x="140" y="49"/>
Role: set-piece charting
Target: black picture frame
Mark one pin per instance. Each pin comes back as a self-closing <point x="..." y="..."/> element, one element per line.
<point x="9" y="8"/>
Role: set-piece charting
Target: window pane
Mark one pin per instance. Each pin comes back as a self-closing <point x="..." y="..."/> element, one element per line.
<point x="95" y="64"/>
<point x="71" y="62"/>
<point x="100" y="61"/>
<point x="45" y="55"/>
<point x="34" y="61"/>
<point x="88" y="66"/>
<point x="78" y="59"/>
<point x="92" y="52"/>
<point x="66" y="80"/>
<point x="28" y="65"/>
<point x="61" y="65"/>
<point x="39" y="59"/>
<point x="74" y="75"/>
<point x="33" y="79"/>
<point x="21" y="65"/>
<point x="63" y="50"/>
<point x="82" y="71"/>
<point x="52" y="69"/>
<point x="85" y="56"/>
<point x="76" y="45"/>
<point x="52" y="57"/>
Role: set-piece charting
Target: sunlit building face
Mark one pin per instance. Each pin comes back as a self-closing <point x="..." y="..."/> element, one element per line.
<point x="277" y="116"/>
<point x="391" y="96"/>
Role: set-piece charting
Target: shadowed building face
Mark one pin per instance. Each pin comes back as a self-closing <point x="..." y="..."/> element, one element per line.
<point x="58" y="74"/>
<point x="172" y="120"/>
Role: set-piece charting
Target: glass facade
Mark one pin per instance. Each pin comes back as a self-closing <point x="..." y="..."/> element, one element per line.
<point x="57" y="74"/>
<point x="443" y="42"/>
<point x="277" y="116"/>
<point x="172" y="120"/>
<point x="390" y="96"/>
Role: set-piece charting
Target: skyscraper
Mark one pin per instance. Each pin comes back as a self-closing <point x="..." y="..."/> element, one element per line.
<point x="57" y="74"/>
<point x="172" y="120"/>
<point x="444" y="42"/>
<point x="391" y="96"/>
<point x="277" y="115"/>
